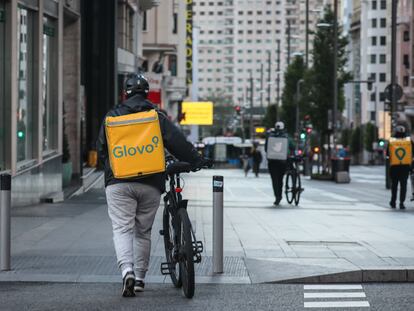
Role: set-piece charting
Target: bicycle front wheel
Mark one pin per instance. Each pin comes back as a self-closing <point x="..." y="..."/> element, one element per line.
<point x="169" y="243"/>
<point x="186" y="253"/>
<point x="298" y="189"/>
<point x="290" y="186"/>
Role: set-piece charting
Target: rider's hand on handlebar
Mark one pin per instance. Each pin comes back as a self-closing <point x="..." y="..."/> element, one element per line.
<point x="202" y="163"/>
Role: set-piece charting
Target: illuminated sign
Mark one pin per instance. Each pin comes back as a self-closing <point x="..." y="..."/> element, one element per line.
<point x="189" y="41"/>
<point x="260" y="130"/>
<point x="197" y="113"/>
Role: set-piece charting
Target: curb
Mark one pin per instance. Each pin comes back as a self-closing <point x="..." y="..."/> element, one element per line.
<point x="362" y="276"/>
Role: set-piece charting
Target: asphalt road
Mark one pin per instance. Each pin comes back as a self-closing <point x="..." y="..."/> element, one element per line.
<point x="61" y="296"/>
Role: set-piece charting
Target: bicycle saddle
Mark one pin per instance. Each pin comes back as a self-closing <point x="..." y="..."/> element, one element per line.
<point x="178" y="167"/>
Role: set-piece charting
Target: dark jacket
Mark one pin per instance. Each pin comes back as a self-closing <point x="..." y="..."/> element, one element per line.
<point x="174" y="141"/>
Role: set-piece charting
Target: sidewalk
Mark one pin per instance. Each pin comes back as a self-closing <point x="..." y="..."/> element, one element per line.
<point x="339" y="233"/>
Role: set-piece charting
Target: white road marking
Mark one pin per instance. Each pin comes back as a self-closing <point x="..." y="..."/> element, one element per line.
<point x="330" y="287"/>
<point x="321" y="295"/>
<point x="336" y="304"/>
<point x="339" y="197"/>
<point x="335" y="295"/>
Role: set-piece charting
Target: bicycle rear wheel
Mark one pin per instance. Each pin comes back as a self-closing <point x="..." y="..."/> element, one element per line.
<point x="186" y="253"/>
<point x="290" y="186"/>
<point x="298" y="189"/>
<point x="169" y="248"/>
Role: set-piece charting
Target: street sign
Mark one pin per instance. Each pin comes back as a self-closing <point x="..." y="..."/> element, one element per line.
<point x="197" y="113"/>
<point x="390" y="89"/>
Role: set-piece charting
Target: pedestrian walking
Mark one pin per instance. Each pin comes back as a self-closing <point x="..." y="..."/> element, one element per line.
<point x="399" y="152"/>
<point x="131" y="148"/>
<point x="256" y="159"/>
<point x="277" y="149"/>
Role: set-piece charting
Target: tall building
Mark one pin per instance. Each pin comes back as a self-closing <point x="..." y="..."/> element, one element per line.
<point x="239" y="38"/>
<point x="370" y="60"/>
<point x="405" y="57"/>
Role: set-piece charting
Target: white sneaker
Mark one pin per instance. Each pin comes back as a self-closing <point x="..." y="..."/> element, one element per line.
<point x="139" y="285"/>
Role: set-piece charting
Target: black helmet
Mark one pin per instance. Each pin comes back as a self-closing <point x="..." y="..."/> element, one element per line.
<point x="400" y="131"/>
<point x="136" y="84"/>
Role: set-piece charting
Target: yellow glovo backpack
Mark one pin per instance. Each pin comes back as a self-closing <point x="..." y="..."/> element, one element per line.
<point x="400" y="151"/>
<point x="135" y="144"/>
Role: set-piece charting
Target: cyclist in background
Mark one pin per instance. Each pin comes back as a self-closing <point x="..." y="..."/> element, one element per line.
<point x="277" y="148"/>
<point x="133" y="202"/>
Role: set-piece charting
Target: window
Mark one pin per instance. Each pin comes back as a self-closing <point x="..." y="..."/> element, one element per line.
<point x="144" y="21"/>
<point x="406" y="61"/>
<point x="25" y="104"/>
<point x="373" y="77"/>
<point x="172" y="65"/>
<point x="383" y="40"/>
<point x="383" y="23"/>
<point x="383" y="59"/>
<point x="374" y="23"/>
<point x="373" y="96"/>
<point x="406" y="36"/>
<point x="373" y="59"/>
<point x="383" y="4"/>
<point x="406" y="81"/>
<point x="49" y="78"/>
<point x="382" y="96"/>
<point x="373" y="115"/>
<point x="374" y="4"/>
<point x="373" y="41"/>
<point x="383" y="77"/>
<point x="2" y="81"/>
<point x="175" y="20"/>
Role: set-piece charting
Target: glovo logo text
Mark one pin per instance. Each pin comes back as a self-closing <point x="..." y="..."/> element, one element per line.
<point x="126" y="151"/>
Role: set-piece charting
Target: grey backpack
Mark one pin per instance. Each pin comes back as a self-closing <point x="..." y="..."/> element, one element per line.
<point x="277" y="148"/>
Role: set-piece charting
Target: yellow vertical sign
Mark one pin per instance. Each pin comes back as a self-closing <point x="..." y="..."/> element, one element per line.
<point x="197" y="113"/>
<point x="189" y="40"/>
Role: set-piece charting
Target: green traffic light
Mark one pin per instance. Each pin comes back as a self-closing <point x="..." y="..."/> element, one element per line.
<point x="381" y="143"/>
<point x="20" y="134"/>
<point x="302" y="135"/>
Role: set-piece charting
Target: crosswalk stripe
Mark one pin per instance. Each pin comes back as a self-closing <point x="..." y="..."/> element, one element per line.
<point x="335" y="295"/>
<point x="336" y="304"/>
<point x="332" y="286"/>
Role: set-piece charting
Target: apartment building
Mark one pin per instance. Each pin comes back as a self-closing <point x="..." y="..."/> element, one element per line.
<point x="239" y="38"/>
<point x="370" y="59"/>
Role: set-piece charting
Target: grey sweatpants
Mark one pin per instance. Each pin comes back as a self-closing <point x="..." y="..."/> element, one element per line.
<point x="132" y="208"/>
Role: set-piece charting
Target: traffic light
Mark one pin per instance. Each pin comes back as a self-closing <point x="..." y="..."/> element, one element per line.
<point x="308" y="130"/>
<point x="238" y="109"/>
<point x="381" y="143"/>
<point x="20" y="134"/>
<point x="316" y="149"/>
<point x="303" y="135"/>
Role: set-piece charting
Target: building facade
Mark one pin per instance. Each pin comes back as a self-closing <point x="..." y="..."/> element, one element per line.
<point x="405" y="58"/>
<point x="164" y="54"/>
<point x="58" y="78"/>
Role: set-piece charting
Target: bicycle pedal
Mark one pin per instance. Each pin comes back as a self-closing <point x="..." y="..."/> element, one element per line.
<point x="165" y="268"/>
<point x="198" y="247"/>
<point x="197" y="258"/>
<point x="161" y="232"/>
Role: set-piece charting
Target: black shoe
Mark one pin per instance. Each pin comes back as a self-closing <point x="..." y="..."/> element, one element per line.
<point x="276" y="203"/>
<point x="392" y="205"/>
<point x="139" y="286"/>
<point x="128" y="285"/>
<point x="402" y="206"/>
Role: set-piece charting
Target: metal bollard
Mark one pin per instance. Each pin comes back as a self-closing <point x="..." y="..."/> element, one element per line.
<point x="5" y="203"/>
<point x="218" y="184"/>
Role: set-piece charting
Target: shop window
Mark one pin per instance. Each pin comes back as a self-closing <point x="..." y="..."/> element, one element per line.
<point x="25" y="102"/>
<point x="49" y="85"/>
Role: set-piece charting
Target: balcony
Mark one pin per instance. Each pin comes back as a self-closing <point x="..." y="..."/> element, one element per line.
<point x="148" y="4"/>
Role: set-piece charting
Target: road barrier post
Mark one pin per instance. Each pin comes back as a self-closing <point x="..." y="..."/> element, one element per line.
<point x="5" y="203"/>
<point x="218" y="183"/>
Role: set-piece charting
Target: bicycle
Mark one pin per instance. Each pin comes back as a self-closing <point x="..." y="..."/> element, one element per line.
<point x="181" y="246"/>
<point x="293" y="185"/>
